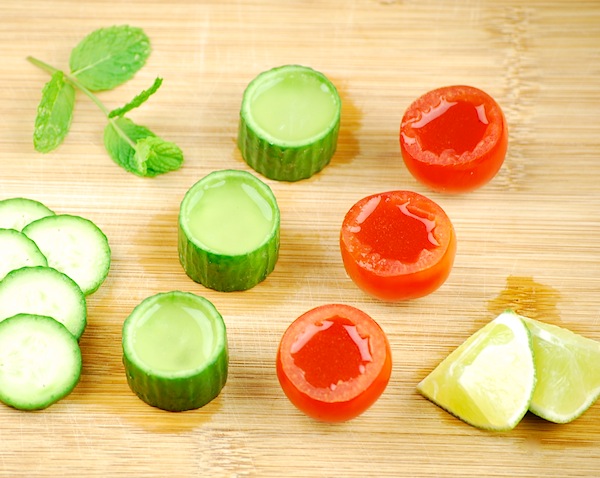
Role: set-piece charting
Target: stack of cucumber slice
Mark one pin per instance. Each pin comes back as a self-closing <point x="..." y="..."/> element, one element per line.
<point x="49" y="263"/>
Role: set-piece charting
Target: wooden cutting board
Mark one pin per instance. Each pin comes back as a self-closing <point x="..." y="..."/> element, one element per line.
<point x="534" y="230"/>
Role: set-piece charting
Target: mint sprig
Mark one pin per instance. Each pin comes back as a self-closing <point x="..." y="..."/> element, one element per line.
<point x="104" y="59"/>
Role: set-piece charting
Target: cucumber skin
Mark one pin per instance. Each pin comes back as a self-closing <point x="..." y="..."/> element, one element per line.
<point x="285" y="163"/>
<point x="174" y="394"/>
<point x="227" y="273"/>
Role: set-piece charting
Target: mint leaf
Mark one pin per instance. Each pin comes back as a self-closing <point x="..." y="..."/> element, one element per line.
<point x="109" y="57"/>
<point x="120" y="137"/>
<point x="54" y="113"/>
<point x="156" y="156"/>
<point x="138" y="150"/>
<point x="138" y="100"/>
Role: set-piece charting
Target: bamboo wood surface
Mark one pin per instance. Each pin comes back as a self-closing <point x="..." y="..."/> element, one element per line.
<point x="538" y="219"/>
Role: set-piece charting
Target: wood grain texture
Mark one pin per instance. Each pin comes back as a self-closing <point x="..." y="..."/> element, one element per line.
<point x="539" y="218"/>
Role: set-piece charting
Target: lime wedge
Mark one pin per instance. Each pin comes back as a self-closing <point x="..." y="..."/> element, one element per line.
<point x="488" y="380"/>
<point x="567" y="372"/>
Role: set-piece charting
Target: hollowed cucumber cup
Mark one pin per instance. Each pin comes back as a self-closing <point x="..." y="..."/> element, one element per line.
<point x="229" y="231"/>
<point x="175" y="351"/>
<point x="289" y="123"/>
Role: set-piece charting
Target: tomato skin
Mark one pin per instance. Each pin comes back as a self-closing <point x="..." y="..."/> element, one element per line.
<point x="390" y="279"/>
<point x="352" y="397"/>
<point x="451" y="171"/>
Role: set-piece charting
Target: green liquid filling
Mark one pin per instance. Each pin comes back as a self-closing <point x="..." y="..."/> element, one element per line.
<point x="293" y="107"/>
<point x="174" y="338"/>
<point x="230" y="217"/>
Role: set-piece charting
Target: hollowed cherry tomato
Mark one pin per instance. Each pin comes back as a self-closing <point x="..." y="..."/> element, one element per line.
<point x="397" y="245"/>
<point x="454" y="139"/>
<point x="334" y="362"/>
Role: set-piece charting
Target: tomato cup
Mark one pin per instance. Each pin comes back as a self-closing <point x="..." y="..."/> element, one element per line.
<point x="334" y="362"/>
<point x="397" y="245"/>
<point x="454" y="139"/>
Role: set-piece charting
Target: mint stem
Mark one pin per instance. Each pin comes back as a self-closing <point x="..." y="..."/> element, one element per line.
<point x="40" y="64"/>
<point x="73" y="80"/>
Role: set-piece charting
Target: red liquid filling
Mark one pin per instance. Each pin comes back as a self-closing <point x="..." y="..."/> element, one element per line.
<point x="394" y="232"/>
<point x="331" y="352"/>
<point x="457" y="125"/>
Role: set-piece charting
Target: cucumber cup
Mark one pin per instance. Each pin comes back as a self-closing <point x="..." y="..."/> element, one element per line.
<point x="229" y="231"/>
<point x="289" y="123"/>
<point x="175" y="351"/>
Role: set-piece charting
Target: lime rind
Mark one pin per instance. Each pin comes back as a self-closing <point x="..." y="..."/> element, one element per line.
<point x="186" y="388"/>
<point x="221" y="271"/>
<point x="568" y="374"/>
<point x="280" y="159"/>
<point x="488" y="381"/>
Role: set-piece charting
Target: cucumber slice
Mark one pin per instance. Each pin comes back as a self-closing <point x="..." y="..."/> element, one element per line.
<point x="44" y="291"/>
<point x="16" y="213"/>
<point x="289" y="122"/>
<point x="40" y="361"/>
<point x="73" y="245"/>
<point x="175" y="351"/>
<point x="17" y="250"/>
<point x="229" y="231"/>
